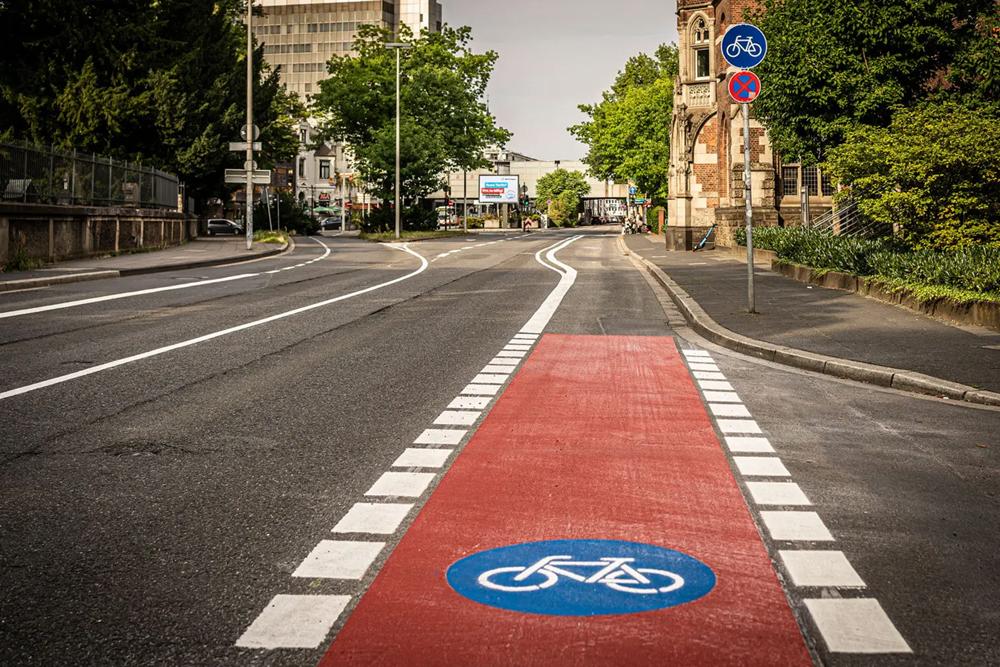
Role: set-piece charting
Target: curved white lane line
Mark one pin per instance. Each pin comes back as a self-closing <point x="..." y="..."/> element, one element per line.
<point x="225" y="332"/>
<point x="153" y="290"/>
<point x="540" y="319"/>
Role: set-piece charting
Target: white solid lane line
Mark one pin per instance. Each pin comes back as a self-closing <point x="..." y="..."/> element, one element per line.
<point x="153" y="290"/>
<point x="218" y="334"/>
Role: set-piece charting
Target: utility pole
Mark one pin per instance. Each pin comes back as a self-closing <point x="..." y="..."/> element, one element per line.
<point x="397" y="46"/>
<point x="751" y="305"/>
<point x="250" y="134"/>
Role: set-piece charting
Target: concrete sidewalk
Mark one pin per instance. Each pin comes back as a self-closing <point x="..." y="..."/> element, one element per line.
<point x="197" y="253"/>
<point x="830" y="322"/>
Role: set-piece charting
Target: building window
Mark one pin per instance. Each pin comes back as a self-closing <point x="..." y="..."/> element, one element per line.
<point x="324" y="169"/>
<point x="810" y="180"/>
<point x="702" y="55"/>
<point x="303" y="136"/>
<point x="828" y="186"/>
<point x="789" y="181"/>
<point x="701" y="68"/>
<point x="302" y="167"/>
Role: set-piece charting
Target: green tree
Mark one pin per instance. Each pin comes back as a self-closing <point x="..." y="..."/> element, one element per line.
<point x="833" y="66"/>
<point x="445" y="126"/>
<point x="164" y="83"/>
<point x="555" y="183"/>
<point x="628" y="133"/>
<point x="934" y="172"/>
<point x="564" y="209"/>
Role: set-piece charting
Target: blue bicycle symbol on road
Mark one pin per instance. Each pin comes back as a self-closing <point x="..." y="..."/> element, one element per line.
<point x="581" y="577"/>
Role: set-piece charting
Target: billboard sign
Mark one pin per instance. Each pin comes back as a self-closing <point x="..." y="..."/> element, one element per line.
<point x="495" y="189"/>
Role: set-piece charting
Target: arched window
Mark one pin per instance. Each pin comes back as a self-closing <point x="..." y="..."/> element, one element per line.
<point x="700" y="39"/>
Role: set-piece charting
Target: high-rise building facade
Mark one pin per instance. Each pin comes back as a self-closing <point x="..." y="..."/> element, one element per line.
<point x="300" y="36"/>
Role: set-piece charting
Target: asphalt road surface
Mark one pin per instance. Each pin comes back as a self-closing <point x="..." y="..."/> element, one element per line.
<point x="284" y="461"/>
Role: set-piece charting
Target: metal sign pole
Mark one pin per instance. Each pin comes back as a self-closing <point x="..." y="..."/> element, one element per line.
<point x="250" y="137"/>
<point x="751" y="306"/>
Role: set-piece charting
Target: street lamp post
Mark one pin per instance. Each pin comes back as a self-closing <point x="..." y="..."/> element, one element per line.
<point x="398" y="46"/>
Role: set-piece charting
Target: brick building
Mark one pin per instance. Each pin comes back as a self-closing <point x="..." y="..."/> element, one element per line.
<point x="706" y="145"/>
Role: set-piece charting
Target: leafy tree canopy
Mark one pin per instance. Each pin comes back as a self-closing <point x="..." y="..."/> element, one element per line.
<point x="942" y="192"/>
<point x="832" y="65"/>
<point x="628" y="134"/>
<point x="162" y="82"/>
<point x="554" y="183"/>
<point x="445" y="126"/>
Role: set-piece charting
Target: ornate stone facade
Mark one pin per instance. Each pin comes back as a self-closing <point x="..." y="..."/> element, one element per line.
<point x="706" y="147"/>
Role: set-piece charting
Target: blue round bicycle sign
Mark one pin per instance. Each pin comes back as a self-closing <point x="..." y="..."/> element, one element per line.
<point x="744" y="46"/>
<point x="581" y="577"/>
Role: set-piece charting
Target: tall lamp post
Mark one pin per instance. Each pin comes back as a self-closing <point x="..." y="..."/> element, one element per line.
<point x="398" y="46"/>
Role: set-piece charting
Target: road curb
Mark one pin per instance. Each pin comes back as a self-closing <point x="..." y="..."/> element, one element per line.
<point x="29" y="283"/>
<point x="883" y="376"/>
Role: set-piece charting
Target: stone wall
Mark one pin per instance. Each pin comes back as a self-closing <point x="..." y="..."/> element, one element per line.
<point x="53" y="233"/>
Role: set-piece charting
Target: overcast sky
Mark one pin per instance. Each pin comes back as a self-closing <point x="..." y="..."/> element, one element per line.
<point x="556" y="54"/>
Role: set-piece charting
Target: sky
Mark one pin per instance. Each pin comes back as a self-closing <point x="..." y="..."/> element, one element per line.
<point x="555" y="55"/>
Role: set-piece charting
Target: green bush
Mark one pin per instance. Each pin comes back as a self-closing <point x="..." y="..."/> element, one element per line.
<point x="414" y="218"/>
<point x="476" y="222"/>
<point x="934" y="172"/>
<point x="653" y="218"/>
<point x="975" y="269"/>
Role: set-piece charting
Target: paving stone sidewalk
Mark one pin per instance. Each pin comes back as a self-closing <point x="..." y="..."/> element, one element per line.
<point x="830" y="322"/>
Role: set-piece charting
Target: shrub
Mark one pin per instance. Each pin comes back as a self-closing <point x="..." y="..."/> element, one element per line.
<point x="653" y="218"/>
<point x="975" y="268"/>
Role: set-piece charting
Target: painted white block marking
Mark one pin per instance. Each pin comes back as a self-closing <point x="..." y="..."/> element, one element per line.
<point x="715" y="385"/>
<point x="806" y="526"/>
<point x="705" y="375"/>
<point x="457" y="418"/>
<point x="422" y="458"/>
<point x="337" y="559"/>
<point x="405" y="484"/>
<point x="821" y="568"/>
<point x="374" y="518"/>
<point x="440" y="436"/>
<point x="748" y="445"/>
<point x="761" y="466"/>
<point x="493" y="368"/>
<point x="504" y="361"/>
<point x="703" y="367"/>
<point x="490" y="378"/>
<point x="294" y="621"/>
<point x="481" y="390"/>
<point x="514" y="346"/>
<point x="738" y="426"/>
<point x="696" y="353"/>
<point x="526" y="336"/>
<point x="777" y="493"/>
<point x="728" y="410"/>
<point x="469" y="403"/>
<point x="856" y="626"/>
<point x="513" y="354"/>
<point x="722" y="397"/>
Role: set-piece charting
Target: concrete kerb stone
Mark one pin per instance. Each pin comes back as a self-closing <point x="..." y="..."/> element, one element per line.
<point x="883" y="376"/>
<point x="30" y="283"/>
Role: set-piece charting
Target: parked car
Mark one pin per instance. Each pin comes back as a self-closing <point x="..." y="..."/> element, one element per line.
<point x="223" y="226"/>
<point x="330" y="223"/>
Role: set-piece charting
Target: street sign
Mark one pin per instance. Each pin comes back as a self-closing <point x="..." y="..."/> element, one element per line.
<point x="744" y="46"/>
<point x="581" y="577"/>
<point x="744" y="87"/>
<point x="243" y="133"/>
<point x="260" y="176"/>
<point x="632" y="189"/>
<point x="241" y="146"/>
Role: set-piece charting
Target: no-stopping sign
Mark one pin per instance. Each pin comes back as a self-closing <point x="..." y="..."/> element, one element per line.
<point x="744" y="87"/>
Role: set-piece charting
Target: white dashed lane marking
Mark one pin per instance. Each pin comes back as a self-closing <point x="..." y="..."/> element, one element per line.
<point x="469" y="403"/>
<point x="337" y="559"/>
<point x="374" y="518"/>
<point x="847" y="625"/>
<point x="402" y="484"/>
<point x="294" y="621"/>
<point x="457" y="417"/>
<point x="422" y="458"/>
<point x="440" y="436"/>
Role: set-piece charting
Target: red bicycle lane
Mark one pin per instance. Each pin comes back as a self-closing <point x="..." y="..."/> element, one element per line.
<point x="596" y="438"/>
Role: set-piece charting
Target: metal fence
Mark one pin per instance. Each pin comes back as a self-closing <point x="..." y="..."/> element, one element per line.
<point x="41" y="175"/>
<point x="847" y="220"/>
